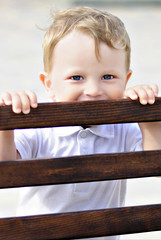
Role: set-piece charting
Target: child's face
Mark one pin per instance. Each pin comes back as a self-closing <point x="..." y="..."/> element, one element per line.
<point x="77" y="75"/>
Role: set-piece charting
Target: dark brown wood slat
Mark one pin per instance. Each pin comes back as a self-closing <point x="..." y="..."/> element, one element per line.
<point x="97" y="167"/>
<point x="81" y="168"/>
<point x="81" y="113"/>
<point x="83" y="224"/>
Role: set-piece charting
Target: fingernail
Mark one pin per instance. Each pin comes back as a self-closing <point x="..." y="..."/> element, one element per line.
<point x="26" y="111"/>
<point x="17" y="110"/>
<point x="143" y="101"/>
<point x="34" y="105"/>
<point x="151" y="101"/>
<point x="134" y="96"/>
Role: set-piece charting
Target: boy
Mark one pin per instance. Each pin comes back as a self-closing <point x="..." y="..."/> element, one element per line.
<point x="86" y="57"/>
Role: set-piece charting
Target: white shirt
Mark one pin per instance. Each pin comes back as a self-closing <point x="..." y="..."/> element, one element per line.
<point x="69" y="141"/>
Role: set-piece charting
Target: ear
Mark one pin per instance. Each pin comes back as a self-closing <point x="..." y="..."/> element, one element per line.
<point x="43" y="78"/>
<point x="47" y="84"/>
<point x="128" y="76"/>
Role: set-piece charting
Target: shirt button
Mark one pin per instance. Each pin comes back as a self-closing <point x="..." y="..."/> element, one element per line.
<point x="83" y="134"/>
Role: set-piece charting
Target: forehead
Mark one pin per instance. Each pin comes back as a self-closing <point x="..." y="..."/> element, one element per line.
<point x="74" y="40"/>
<point x="78" y="44"/>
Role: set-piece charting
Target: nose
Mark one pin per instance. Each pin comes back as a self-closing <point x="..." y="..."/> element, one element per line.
<point x="93" y="89"/>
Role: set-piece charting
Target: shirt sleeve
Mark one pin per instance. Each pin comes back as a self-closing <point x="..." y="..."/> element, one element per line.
<point x="133" y="138"/>
<point x="26" y="143"/>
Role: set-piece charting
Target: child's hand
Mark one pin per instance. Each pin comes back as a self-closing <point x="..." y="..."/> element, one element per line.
<point x="145" y="93"/>
<point x="21" y="101"/>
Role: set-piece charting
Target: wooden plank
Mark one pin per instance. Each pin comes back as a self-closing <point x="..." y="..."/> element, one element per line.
<point x="81" y="113"/>
<point x="75" y="169"/>
<point x="83" y="224"/>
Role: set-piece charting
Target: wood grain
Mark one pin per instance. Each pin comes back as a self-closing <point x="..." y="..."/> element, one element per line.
<point x="77" y="169"/>
<point x="81" y="113"/>
<point x="83" y="224"/>
<point x="98" y="167"/>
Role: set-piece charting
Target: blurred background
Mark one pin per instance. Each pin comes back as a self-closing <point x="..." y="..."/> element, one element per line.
<point x="21" y="33"/>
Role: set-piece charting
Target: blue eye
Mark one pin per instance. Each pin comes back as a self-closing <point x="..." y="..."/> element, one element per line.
<point x="76" y="78"/>
<point x="107" y="77"/>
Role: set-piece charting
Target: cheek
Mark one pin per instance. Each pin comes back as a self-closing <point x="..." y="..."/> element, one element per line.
<point x="66" y="92"/>
<point x="116" y="92"/>
<point x="118" y="95"/>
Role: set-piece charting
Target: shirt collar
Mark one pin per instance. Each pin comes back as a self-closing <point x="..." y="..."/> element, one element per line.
<point x="105" y="131"/>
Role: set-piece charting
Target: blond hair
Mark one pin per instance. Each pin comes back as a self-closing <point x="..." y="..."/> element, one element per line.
<point x="100" y="25"/>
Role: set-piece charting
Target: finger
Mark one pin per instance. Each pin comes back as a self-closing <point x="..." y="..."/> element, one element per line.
<point x="150" y="95"/>
<point x="1" y="102"/>
<point x="25" y="102"/>
<point x="143" y="95"/>
<point x="6" y="98"/>
<point x="131" y="93"/>
<point x="16" y="102"/>
<point x="155" y="89"/>
<point x="32" y="98"/>
<point x="147" y="94"/>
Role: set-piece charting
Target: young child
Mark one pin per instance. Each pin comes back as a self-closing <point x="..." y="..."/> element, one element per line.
<point x="86" y="57"/>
